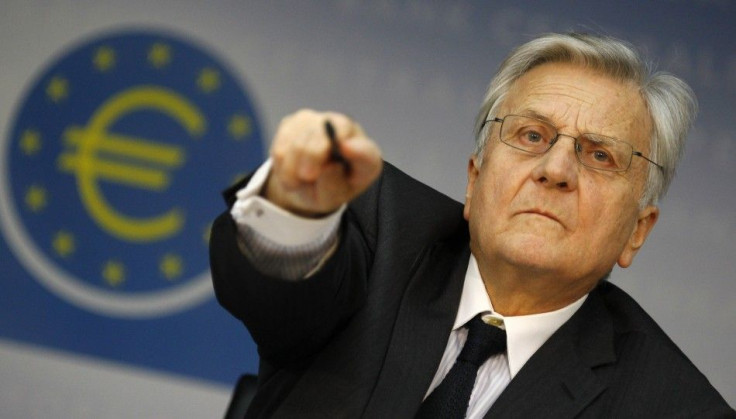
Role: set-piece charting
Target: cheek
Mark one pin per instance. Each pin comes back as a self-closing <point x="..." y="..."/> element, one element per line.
<point x="492" y="197"/>
<point x="611" y="218"/>
<point x="500" y="176"/>
<point x="489" y="189"/>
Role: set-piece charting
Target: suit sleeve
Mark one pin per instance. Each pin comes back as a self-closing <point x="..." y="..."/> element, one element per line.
<point x="292" y="320"/>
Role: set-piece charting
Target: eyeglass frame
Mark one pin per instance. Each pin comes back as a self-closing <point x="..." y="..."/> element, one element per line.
<point x="554" y="140"/>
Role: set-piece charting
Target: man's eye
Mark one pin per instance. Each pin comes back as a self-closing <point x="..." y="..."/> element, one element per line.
<point x="601" y="156"/>
<point x="532" y="137"/>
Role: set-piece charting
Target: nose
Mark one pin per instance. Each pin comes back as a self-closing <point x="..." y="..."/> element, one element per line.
<point x="558" y="167"/>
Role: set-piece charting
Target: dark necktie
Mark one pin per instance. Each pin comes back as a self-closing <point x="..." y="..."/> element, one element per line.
<point x="451" y="398"/>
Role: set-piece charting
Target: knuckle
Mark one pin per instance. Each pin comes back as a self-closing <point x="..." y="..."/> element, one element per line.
<point x="305" y="113"/>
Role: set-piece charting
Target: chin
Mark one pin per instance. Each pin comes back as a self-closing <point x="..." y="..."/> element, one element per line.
<point x="532" y="251"/>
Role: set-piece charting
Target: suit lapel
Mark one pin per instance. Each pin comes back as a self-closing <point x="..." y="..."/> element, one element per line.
<point x="422" y="328"/>
<point x="558" y="380"/>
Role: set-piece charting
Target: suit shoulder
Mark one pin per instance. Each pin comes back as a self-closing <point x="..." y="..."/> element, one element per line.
<point x="646" y="355"/>
<point x="630" y="319"/>
<point x="627" y="314"/>
<point x="399" y="204"/>
<point x="396" y="186"/>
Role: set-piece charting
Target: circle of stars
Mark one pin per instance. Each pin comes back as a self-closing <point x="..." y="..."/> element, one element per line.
<point x="104" y="59"/>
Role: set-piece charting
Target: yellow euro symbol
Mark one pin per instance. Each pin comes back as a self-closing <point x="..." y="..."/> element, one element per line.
<point x="128" y="160"/>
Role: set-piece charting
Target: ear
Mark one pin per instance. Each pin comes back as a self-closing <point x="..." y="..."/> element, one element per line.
<point x="644" y="223"/>
<point x="473" y="171"/>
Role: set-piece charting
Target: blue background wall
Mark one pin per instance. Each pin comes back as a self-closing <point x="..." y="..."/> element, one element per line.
<point x="412" y="72"/>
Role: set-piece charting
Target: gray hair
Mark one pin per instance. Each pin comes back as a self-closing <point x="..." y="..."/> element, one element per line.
<point x="672" y="104"/>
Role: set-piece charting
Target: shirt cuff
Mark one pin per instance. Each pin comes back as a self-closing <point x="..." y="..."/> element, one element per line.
<point x="275" y="223"/>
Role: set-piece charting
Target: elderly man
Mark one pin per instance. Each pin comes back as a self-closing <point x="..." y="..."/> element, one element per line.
<point x="371" y="295"/>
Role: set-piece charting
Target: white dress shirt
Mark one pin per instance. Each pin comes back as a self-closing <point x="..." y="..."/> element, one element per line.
<point x="524" y="334"/>
<point x="277" y="224"/>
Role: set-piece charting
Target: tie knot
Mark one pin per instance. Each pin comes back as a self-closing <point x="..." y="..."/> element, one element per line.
<point x="483" y="342"/>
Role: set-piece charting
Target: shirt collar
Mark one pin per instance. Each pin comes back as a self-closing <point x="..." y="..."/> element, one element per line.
<point x="474" y="298"/>
<point x="524" y="334"/>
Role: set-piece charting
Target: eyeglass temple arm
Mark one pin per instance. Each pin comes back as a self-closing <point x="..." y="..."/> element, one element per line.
<point x="490" y="120"/>
<point x="638" y="153"/>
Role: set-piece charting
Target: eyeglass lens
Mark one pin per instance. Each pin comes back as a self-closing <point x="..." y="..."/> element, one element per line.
<point x="536" y="136"/>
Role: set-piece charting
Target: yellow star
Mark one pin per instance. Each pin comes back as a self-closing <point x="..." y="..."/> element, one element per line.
<point x="208" y="80"/>
<point x="104" y="59"/>
<point x="171" y="266"/>
<point x="239" y="126"/>
<point x="36" y="198"/>
<point x="64" y="243"/>
<point x="159" y="55"/>
<point x="30" y="142"/>
<point x="58" y="88"/>
<point x="113" y="272"/>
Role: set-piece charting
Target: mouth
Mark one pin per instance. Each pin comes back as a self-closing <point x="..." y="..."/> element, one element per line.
<point x="542" y="213"/>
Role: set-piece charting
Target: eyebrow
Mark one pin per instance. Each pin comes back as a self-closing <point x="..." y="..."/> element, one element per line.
<point x="534" y="114"/>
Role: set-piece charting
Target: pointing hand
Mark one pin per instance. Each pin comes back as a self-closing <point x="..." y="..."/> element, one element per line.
<point x="312" y="176"/>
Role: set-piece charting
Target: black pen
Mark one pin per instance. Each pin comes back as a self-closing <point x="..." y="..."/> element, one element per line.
<point x="335" y="154"/>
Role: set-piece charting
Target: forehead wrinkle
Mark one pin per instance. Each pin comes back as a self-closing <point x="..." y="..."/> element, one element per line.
<point x="574" y="109"/>
<point x="569" y="104"/>
<point x="560" y="89"/>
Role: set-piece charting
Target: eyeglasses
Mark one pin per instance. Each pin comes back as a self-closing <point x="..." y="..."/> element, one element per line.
<point x="592" y="150"/>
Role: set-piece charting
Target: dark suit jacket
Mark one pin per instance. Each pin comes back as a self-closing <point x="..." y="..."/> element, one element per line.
<point x="365" y="335"/>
